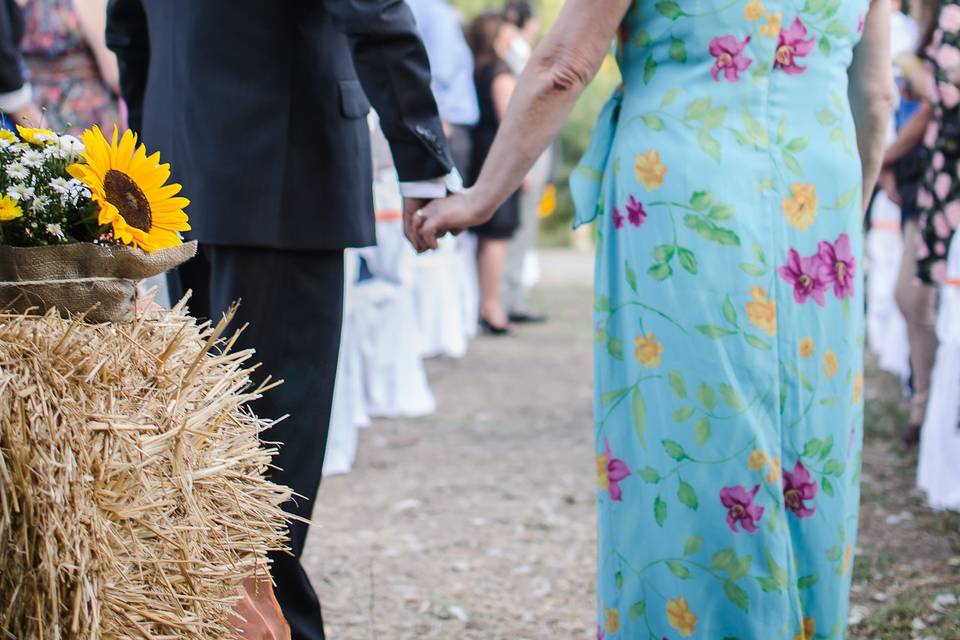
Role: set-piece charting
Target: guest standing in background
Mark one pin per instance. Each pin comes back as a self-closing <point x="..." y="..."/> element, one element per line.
<point x="522" y="264"/>
<point x="16" y="93"/>
<point x="451" y="69"/>
<point x="489" y="38"/>
<point x="74" y="75"/>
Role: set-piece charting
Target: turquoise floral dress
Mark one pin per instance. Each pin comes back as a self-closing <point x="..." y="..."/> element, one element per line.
<point x="725" y="184"/>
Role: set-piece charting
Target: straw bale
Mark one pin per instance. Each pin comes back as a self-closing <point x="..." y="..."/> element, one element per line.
<point x="133" y="502"/>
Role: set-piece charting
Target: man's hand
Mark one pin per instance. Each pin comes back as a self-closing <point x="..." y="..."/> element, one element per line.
<point x="413" y="220"/>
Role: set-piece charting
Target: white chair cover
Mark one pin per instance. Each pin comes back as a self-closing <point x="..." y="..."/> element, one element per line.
<point x="938" y="471"/>
<point x="162" y="296"/>
<point x="439" y="283"/>
<point x="886" y="326"/>
<point x="469" y="284"/>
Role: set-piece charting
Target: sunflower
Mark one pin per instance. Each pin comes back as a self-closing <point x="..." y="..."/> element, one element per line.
<point x="129" y="188"/>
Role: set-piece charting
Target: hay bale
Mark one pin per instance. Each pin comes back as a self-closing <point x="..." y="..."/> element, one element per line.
<point x="133" y="502"/>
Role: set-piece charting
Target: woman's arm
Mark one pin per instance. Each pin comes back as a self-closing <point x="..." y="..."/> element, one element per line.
<point x="561" y="67"/>
<point x="93" y="24"/>
<point x="872" y="93"/>
<point x="910" y="135"/>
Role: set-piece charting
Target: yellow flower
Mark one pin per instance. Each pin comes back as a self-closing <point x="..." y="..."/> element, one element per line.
<point x="650" y="171"/>
<point x="830" y="364"/>
<point x="757" y="459"/>
<point x="9" y="209"/>
<point x="776" y="471"/>
<point x="128" y="186"/>
<point x="771" y="28"/>
<point x="801" y="206"/>
<point x="857" y="387"/>
<point x="6" y="134"/>
<point x="680" y="617"/>
<point x="807" y="347"/>
<point x="613" y="621"/>
<point x="38" y="137"/>
<point x="847" y="556"/>
<point x="548" y="203"/>
<point x="753" y="11"/>
<point x="603" y="481"/>
<point x="648" y="350"/>
<point x="809" y="630"/>
<point x="762" y="311"/>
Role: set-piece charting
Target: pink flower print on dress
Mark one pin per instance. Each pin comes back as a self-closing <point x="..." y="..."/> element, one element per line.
<point x="952" y="212"/>
<point x="949" y="94"/>
<point x="939" y="272"/>
<point x="938" y="161"/>
<point x="940" y="224"/>
<point x="793" y="44"/>
<point x="741" y="509"/>
<point x="839" y="264"/>
<point x="931" y="134"/>
<point x="942" y="186"/>
<point x="798" y="487"/>
<point x="950" y="18"/>
<point x="807" y="277"/>
<point x="618" y="219"/>
<point x="730" y="60"/>
<point x="610" y="472"/>
<point x="636" y="214"/>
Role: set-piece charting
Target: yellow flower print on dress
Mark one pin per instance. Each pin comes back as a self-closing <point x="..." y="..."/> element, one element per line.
<point x="762" y="311"/>
<point x="753" y="10"/>
<point x="613" y="621"/>
<point x="681" y="618"/>
<point x="757" y="460"/>
<point x="857" y="387"/>
<point x="809" y="630"/>
<point x="648" y="351"/>
<point x="847" y="556"/>
<point x="801" y="206"/>
<point x="776" y="472"/>
<point x="807" y="347"/>
<point x="830" y="364"/>
<point x="650" y="171"/>
<point x="771" y="28"/>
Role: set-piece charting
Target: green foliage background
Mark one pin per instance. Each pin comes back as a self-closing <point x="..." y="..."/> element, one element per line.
<point x="576" y="134"/>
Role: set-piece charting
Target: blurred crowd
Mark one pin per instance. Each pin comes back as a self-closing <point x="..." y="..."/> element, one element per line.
<point x="56" y="71"/>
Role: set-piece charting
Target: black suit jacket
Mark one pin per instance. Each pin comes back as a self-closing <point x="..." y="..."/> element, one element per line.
<point x="11" y="32"/>
<point x="260" y="109"/>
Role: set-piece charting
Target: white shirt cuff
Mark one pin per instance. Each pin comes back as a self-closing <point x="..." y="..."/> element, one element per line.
<point x="433" y="189"/>
<point x="16" y="100"/>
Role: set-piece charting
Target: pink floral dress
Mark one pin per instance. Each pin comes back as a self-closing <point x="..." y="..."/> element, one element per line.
<point x="726" y="187"/>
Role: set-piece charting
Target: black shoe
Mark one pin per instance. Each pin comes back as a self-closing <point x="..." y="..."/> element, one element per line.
<point x="493" y="330"/>
<point x="910" y="436"/>
<point x="528" y="317"/>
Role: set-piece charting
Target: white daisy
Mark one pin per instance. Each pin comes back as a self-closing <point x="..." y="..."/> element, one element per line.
<point x="32" y="158"/>
<point x="39" y="204"/>
<point x="17" y="171"/>
<point x="20" y="191"/>
<point x="70" y="147"/>
<point x="60" y="185"/>
<point x="56" y="231"/>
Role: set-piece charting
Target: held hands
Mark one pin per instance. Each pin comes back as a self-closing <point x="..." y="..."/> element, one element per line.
<point x="424" y="223"/>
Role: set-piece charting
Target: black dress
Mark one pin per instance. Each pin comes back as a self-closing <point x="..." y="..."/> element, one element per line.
<point x="506" y="219"/>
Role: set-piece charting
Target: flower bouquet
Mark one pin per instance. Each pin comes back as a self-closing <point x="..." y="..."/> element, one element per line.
<point x="133" y="494"/>
<point x="83" y="220"/>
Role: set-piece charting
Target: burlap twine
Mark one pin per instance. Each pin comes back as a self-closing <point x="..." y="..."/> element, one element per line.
<point x="97" y="280"/>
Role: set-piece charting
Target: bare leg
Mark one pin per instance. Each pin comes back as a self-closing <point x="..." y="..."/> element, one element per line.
<point x="491" y="262"/>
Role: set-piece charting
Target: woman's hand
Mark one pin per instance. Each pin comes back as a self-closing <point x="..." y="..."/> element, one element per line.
<point x="453" y="214"/>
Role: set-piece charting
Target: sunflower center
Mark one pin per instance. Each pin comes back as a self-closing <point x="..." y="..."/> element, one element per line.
<point x="123" y="193"/>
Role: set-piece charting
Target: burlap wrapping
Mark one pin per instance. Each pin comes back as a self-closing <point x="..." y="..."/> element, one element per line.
<point x="99" y="280"/>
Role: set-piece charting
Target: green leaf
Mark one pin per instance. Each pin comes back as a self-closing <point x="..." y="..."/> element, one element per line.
<point x="670" y="97"/>
<point x="756" y="131"/>
<point x="618" y="580"/>
<point x="729" y="311"/>
<point x="731" y="397"/>
<point x="688" y="260"/>
<point x="758" y="253"/>
<point x="669" y="9"/>
<point x="691" y="545"/>
<point x="825" y="47"/>
<point x="806" y="582"/>
<point x="837" y="135"/>
<point x="723" y="560"/>
<point x="677" y="384"/>
<point x="602" y="304"/>
<point x="674" y="450"/>
<point x="722" y="236"/>
<point x="715" y="118"/>
<point x="811" y="448"/>
<point x="660" y="271"/>
<point x="649" y="70"/>
<point x="741" y="567"/>
<point x="687" y="495"/>
<point x="769" y="585"/>
<point x="756" y="342"/>
<point x="792" y="163"/>
<point x="663" y="252"/>
<point x="698" y="108"/>
<point x="683" y="414"/>
<point x="826" y="448"/>
<point x="834" y="553"/>
<point x="709" y="144"/>
<point x="612" y="397"/>
<point x="715" y="332"/>
<point x="826" y="117"/>
<point x="589" y="172"/>
<point x="782" y="130"/>
<point x="700" y="200"/>
<point x="753" y="270"/>
<point x="678" y="50"/>
<point x="777" y="572"/>
<point x="659" y="511"/>
<point x="834" y="468"/>
<point x="707" y="396"/>
<point x="736" y="595"/>
<point x="638" y="410"/>
<point x="615" y="348"/>
<point x="797" y="145"/>
<point x="642" y="39"/>
<point x="721" y="212"/>
<point x="847" y="198"/>
<point x="637" y="610"/>
<point x="631" y="276"/>
<point x="827" y="486"/>
<point x="649" y="475"/>
<point x="653" y="121"/>
<point x="701" y="431"/>
<point x="830" y="401"/>
<point x="678" y="569"/>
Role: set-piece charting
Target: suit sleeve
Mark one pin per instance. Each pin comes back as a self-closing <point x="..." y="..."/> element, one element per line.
<point x="392" y="65"/>
<point x="11" y="71"/>
<point x="128" y="38"/>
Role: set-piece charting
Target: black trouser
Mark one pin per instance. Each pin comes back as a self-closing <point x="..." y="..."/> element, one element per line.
<point x="293" y="302"/>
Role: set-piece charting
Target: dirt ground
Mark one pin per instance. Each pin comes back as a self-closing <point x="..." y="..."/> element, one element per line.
<point x="478" y="523"/>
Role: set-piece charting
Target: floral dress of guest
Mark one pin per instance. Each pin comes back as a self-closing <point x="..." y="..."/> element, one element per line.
<point x="939" y="199"/>
<point x="63" y="70"/>
<point x="725" y="183"/>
